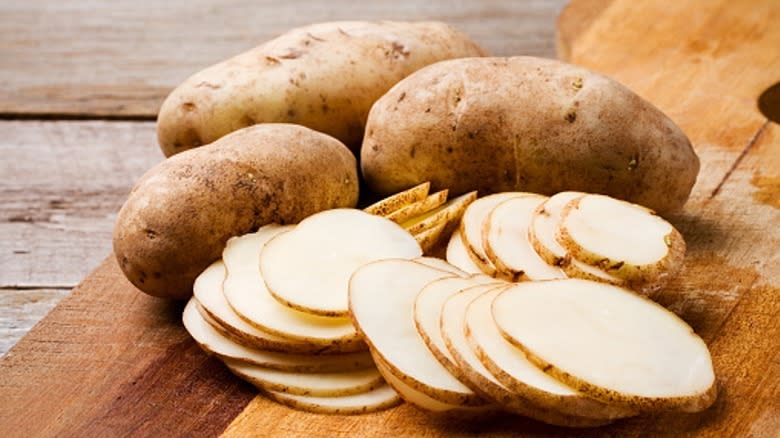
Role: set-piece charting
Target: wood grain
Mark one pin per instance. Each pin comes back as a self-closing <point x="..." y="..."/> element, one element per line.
<point x="121" y="58"/>
<point x="110" y="359"/>
<point x="63" y="183"/>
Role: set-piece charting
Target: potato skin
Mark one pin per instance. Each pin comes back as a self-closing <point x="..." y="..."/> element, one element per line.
<point x="324" y="76"/>
<point x="181" y="213"/>
<point x="525" y="124"/>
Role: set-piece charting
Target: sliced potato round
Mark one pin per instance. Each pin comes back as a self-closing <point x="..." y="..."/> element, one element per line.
<point x="308" y="269"/>
<point x="458" y="256"/>
<point x="399" y="200"/>
<point x="208" y="292"/>
<point x="471" y="227"/>
<point x="451" y="211"/>
<point x="375" y="400"/>
<point x="626" y="240"/>
<point x="511" y="367"/>
<point x="420" y="399"/>
<point x="382" y="298"/>
<point x="418" y="208"/>
<point x="472" y="372"/>
<point x="248" y="296"/>
<point x="213" y="342"/>
<point x="543" y="225"/>
<point x="442" y="265"/>
<point x="506" y="243"/>
<point x="315" y="384"/>
<point x="608" y="343"/>
<point x="541" y="233"/>
<point x="428" y="309"/>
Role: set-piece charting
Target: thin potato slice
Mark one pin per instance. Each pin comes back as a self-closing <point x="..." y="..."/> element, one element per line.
<point x="451" y="211"/>
<point x="431" y="238"/>
<point x="420" y="399"/>
<point x="608" y="343"/>
<point x="511" y="368"/>
<point x="626" y="240"/>
<point x="375" y="400"/>
<point x="541" y="234"/>
<point x="472" y="372"/>
<point x="208" y="292"/>
<point x="213" y="342"/>
<point x="248" y="296"/>
<point x="399" y="200"/>
<point x="419" y="208"/>
<point x="506" y="244"/>
<point x="308" y="269"/>
<point x="382" y="298"/>
<point x="458" y="256"/>
<point x="427" y="314"/>
<point x="334" y="384"/>
<point x="441" y="265"/>
<point x="471" y="227"/>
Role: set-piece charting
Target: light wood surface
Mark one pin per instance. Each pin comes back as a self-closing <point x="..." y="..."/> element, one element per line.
<point x="108" y="358"/>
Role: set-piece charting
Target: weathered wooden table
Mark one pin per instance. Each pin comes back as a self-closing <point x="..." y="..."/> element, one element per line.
<point x="80" y="86"/>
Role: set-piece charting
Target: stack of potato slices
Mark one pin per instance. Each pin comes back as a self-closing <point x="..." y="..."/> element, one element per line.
<point x="343" y="314"/>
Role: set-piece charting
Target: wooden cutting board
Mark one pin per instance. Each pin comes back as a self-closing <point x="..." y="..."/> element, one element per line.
<point x="112" y="361"/>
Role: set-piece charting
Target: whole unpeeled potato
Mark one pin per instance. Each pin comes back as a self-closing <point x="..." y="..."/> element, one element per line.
<point x="324" y="76"/>
<point x="525" y="124"/>
<point x="180" y="214"/>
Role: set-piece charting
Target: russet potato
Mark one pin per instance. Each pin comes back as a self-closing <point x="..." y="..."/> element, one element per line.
<point x="181" y="213"/>
<point x="525" y="124"/>
<point x="324" y="76"/>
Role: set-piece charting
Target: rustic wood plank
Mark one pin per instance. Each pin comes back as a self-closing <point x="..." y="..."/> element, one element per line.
<point x="22" y="309"/>
<point x="121" y="58"/>
<point x="63" y="184"/>
<point x="110" y="359"/>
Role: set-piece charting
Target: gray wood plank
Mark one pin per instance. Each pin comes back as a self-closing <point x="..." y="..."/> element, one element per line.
<point x="83" y="58"/>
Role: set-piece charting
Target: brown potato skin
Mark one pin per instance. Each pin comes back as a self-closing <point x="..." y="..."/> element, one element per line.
<point x="181" y="213"/>
<point x="525" y="124"/>
<point x="324" y="76"/>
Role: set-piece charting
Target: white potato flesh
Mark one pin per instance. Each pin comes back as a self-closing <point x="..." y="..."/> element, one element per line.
<point x="375" y="400"/>
<point x="615" y="230"/>
<point x="453" y="327"/>
<point x="315" y="384"/>
<point x="428" y="310"/>
<point x="308" y="269"/>
<point x="441" y="265"/>
<point x="382" y="296"/>
<point x="214" y="342"/>
<point x="543" y="225"/>
<point x="512" y="368"/>
<point x="418" y="398"/>
<point x="401" y="199"/>
<point x="248" y="296"/>
<point x="458" y="255"/>
<point x="542" y="230"/>
<point x="506" y="240"/>
<point x="471" y="226"/>
<point x="208" y="291"/>
<point x="452" y="210"/>
<point x="608" y="341"/>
